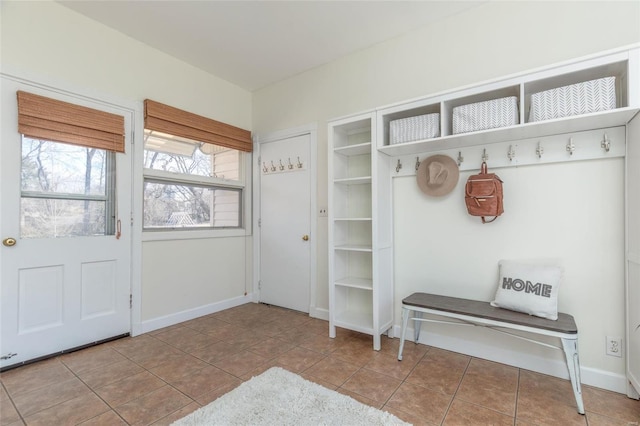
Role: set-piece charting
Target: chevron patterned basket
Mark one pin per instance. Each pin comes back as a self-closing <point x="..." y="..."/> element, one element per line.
<point x="414" y="128"/>
<point x="486" y="115"/>
<point x="581" y="98"/>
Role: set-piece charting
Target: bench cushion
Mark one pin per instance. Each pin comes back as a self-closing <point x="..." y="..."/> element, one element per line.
<point x="473" y="308"/>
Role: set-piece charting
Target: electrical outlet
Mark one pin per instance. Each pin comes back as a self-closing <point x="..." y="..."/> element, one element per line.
<point x="322" y="212"/>
<point x="614" y="346"/>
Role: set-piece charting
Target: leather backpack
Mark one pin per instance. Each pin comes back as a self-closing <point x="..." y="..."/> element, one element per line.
<point x="483" y="195"/>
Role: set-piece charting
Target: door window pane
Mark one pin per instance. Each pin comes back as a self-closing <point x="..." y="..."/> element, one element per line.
<point x="67" y="190"/>
<point x="52" y="218"/>
<point x="63" y="168"/>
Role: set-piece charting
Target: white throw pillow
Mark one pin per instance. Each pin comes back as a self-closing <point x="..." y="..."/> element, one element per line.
<point x="528" y="287"/>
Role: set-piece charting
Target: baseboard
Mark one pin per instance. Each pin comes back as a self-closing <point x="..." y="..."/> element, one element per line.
<point x="319" y="313"/>
<point x="551" y="366"/>
<point x="178" y="317"/>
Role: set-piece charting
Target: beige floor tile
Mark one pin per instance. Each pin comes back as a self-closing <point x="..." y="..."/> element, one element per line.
<point x="31" y="402"/>
<point x="153" y="406"/>
<point x="611" y="404"/>
<point x="214" y="352"/>
<point x="271" y="347"/>
<point x="176" y="367"/>
<point x="240" y="363"/>
<point x="177" y="415"/>
<point x="91" y="358"/>
<point x="70" y="412"/>
<point x="111" y="373"/>
<point x="388" y="364"/>
<point x="440" y="370"/>
<point x="110" y="418"/>
<point x="186" y="339"/>
<point x="427" y="404"/>
<point x="299" y="359"/>
<point x="332" y="370"/>
<point x="133" y="387"/>
<point x="203" y="381"/>
<point x="490" y="385"/>
<point x="373" y="385"/>
<point x="35" y="376"/>
<point x="8" y="413"/>
<point x="463" y="413"/>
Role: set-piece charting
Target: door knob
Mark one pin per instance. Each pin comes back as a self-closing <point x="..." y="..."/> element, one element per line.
<point x="305" y="238"/>
<point x="9" y="242"/>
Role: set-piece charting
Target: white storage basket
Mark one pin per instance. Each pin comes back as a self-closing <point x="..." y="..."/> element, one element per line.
<point x="581" y="98"/>
<point x="486" y="115"/>
<point x="414" y="128"/>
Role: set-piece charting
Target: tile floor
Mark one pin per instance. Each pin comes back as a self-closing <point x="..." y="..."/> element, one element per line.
<point x="161" y="376"/>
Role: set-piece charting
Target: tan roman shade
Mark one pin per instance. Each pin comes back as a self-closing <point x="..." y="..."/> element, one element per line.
<point x="40" y="117"/>
<point x="174" y="121"/>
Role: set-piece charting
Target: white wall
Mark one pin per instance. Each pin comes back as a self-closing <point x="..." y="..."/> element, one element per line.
<point x="47" y="42"/>
<point x="434" y="240"/>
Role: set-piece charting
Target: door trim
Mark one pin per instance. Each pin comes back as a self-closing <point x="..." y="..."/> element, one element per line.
<point x="311" y="130"/>
<point x="135" y="109"/>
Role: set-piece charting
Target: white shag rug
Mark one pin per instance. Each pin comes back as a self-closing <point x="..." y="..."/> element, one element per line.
<point x="279" y="397"/>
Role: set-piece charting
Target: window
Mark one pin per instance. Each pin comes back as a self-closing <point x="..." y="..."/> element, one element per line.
<point x="190" y="184"/>
<point x="193" y="170"/>
<point x="66" y="190"/>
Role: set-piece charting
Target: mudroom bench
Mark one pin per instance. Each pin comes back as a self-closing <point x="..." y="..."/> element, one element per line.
<point x="476" y="313"/>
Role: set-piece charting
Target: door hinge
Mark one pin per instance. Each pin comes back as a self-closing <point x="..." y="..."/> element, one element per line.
<point x="260" y="222"/>
<point x="259" y="158"/>
<point x="7" y="356"/>
<point x="259" y="284"/>
<point x="131" y="218"/>
<point x="131" y="301"/>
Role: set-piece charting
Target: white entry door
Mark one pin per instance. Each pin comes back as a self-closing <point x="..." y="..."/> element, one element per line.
<point x="285" y="223"/>
<point x="61" y="287"/>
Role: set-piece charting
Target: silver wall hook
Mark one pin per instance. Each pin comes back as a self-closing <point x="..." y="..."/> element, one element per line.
<point x="460" y="158"/>
<point x="511" y="153"/>
<point x="417" y="163"/>
<point x="264" y="167"/>
<point x="539" y="150"/>
<point x="570" y="146"/>
<point x="485" y="157"/>
<point x="398" y="166"/>
<point x="605" y="143"/>
<point x="290" y="166"/>
<point x="281" y="165"/>
<point x="299" y="164"/>
<point x="273" y="167"/>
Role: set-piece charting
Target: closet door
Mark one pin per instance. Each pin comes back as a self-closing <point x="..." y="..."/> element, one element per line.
<point x="633" y="256"/>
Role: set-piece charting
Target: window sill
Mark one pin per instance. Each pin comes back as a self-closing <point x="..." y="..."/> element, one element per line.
<point x="193" y="235"/>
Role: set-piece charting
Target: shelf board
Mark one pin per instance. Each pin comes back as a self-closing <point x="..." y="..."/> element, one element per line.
<point x="352" y="219"/>
<point x="357" y="149"/>
<point x="353" y="181"/>
<point x="354" y="320"/>
<point x="597" y="120"/>
<point x="355" y="282"/>
<point x="354" y="247"/>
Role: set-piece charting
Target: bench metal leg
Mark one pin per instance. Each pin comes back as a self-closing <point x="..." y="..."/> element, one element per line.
<point x="405" y="321"/>
<point x="570" y="347"/>
<point x="416" y="325"/>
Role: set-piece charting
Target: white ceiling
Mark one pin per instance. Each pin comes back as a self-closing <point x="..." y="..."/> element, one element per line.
<point x="255" y="43"/>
